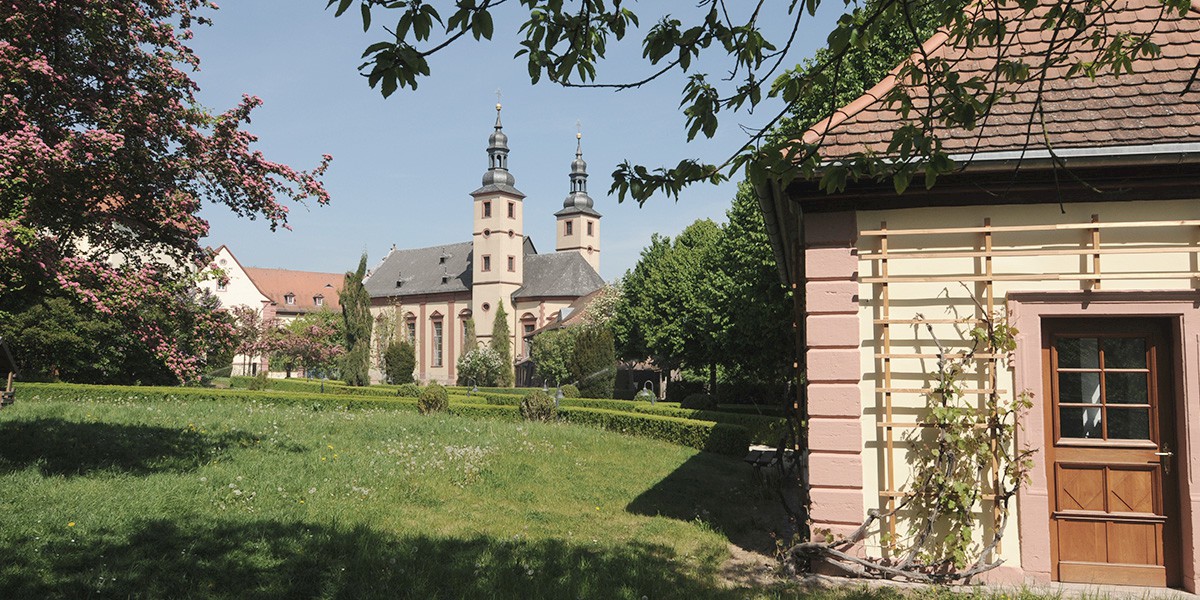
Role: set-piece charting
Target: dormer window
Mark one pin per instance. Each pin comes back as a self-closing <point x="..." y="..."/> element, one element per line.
<point x="289" y="299"/>
<point x="319" y="300"/>
<point x="445" y="279"/>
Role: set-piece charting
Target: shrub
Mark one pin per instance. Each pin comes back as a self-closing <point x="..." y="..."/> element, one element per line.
<point x="699" y="401"/>
<point x="408" y="390"/>
<point x="502" y="399"/>
<point x="570" y="391"/>
<point x="680" y="389"/>
<point x="258" y="382"/>
<point x="538" y="406"/>
<point x="433" y="399"/>
<point x="645" y="396"/>
<point x="594" y="362"/>
<point x="399" y="360"/>
<point x="722" y="438"/>
<point x="481" y="366"/>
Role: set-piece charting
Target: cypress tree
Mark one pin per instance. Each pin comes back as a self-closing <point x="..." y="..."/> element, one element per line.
<point x="594" y="362"/>
<point x="502" y="345"/>
<point x="472" y="342"/>
<point x="356" y="313"/>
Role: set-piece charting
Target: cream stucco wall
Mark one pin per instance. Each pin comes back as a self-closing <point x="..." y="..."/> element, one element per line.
<point x="588" y="246"/>
<point x="239" y="291"/>
<point x="1169" y="266"/>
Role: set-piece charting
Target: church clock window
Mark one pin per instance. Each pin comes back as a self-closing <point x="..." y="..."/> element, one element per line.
<point x="487" y="208"/>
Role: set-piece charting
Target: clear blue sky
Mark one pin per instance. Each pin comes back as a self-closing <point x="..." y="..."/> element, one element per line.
<point x="404" y="166"/>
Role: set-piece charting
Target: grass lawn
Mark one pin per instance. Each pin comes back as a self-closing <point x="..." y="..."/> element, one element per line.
<point x="225" y="499"/>
<point x="219" y="499"/>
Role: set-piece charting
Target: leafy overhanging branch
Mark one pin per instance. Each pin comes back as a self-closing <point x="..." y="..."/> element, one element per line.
<point x="566" y="42"/>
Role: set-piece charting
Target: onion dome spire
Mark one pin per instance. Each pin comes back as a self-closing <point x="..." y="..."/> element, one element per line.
<point x="578" y="201"/>
<point x="497" y="177"/>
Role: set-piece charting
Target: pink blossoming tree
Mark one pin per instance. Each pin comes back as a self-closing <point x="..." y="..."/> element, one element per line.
<point x="105" y="159"/>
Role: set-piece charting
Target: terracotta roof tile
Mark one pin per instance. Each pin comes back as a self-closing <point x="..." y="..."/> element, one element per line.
<point x="304" y="286"/>
<point x="1144" y="107"/>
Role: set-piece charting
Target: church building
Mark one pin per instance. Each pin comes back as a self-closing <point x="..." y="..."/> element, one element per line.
<point x="435" y="290"/>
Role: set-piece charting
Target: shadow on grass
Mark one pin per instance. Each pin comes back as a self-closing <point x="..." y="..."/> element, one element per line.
<point x="70" y="448"/>
<point x="726" y="497"/>
<point x="278" y="560"/>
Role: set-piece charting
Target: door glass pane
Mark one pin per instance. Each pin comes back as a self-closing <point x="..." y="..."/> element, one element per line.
<point x="1125" y="353"/>
<point x="1078" y="353"/>
<point x="1126" y="388"/>
<point x="1129" y="424"/>
<point x="1079" y="388"/>
<point x="1080" y="422"/>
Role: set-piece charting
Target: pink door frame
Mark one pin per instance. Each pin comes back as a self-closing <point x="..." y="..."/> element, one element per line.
<point x="1026" y="311"/>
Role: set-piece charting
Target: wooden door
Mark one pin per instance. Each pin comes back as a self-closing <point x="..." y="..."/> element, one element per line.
<point x="1114" y="503"/>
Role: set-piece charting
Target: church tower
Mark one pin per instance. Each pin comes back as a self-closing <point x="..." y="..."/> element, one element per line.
<point x="498" y="239"/>
<point x="578" y="222"/>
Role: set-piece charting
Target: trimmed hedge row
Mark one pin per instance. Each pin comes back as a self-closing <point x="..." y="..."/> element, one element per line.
<point x="762" y="429"/>
<point x="110" y="393"/>
<point x="723" y="438"/>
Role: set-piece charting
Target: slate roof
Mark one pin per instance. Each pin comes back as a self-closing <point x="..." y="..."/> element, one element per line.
<point x="1152" y="105"/>
<point x="559" y="274"/>
<point x="304" y="285"/>
<point x="421" y="271"/>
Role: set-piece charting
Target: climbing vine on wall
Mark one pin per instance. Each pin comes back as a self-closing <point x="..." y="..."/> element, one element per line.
<point x="965" y="457"/>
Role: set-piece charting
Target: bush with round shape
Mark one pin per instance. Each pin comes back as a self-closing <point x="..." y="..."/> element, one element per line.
<point x="481" y="367"/>
<point x="408" y="390"/>
<point x="570" y="391"/>
<point x="699" y="401"/>
<point x="538" y="406"/>
<point x="258" y="382"/>
<point x="645" y="395"/>
<point x="433" y="399"/>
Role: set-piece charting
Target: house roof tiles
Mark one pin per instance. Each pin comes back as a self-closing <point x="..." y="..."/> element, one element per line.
<point x="432" y="270"/>
<point x="1151" y="105"/>
<point x="304" y="286"/>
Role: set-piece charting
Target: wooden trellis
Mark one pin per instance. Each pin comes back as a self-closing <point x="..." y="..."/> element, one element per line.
<point x="1090" y="275"/>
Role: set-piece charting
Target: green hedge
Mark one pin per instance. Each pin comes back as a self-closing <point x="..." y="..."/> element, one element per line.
<point x="724" y="438"/>
<point x="117" y="393"/>
<point x="769" y="410"/>
<point x="721" y="438"/>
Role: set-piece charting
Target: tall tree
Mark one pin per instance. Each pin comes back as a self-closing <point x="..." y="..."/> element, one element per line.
<point x="502" y="344"/>
<point x="672" y="309"/>
<point x="356" y="317"/>
<point x="106" y="159"/>
<point x="594" y="361"/>
<point x="730" y="61"/>
<point x="758" y="342"/>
